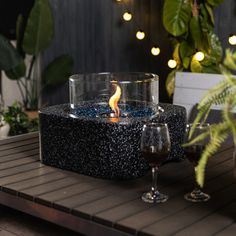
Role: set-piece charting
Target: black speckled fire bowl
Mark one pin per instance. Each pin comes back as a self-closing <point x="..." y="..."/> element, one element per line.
<point x="99" y="147"/>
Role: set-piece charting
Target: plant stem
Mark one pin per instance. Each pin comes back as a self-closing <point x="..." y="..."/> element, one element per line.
<point x="21" y="92"/>
<point x="195" y="8"/>
<point x="31" y="67"/>
<point x="28" y="95"/>
<point x="26" y="88"/>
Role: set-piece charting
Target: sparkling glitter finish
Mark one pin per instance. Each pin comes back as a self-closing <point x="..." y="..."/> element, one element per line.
<point x="100" y="147"/>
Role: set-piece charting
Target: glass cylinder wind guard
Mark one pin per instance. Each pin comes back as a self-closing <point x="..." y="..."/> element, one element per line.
<point x="114" y="95"/>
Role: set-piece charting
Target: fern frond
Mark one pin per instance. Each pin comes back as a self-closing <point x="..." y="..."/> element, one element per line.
<point x="228" y="116"/>
<point x="199" y="138"/>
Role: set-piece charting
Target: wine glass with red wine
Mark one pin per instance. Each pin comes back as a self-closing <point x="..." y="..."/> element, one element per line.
<point x="193" y="154"/>
<point x="155" y="148"/>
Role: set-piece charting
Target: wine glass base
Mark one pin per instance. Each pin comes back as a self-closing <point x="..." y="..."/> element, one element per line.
<point x="156" y="197"/>
<point x="197" y="196"/>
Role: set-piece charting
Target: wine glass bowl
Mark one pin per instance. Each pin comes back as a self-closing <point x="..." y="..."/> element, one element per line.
<point x="193" y="153"/>
<point x="155" y="148"/>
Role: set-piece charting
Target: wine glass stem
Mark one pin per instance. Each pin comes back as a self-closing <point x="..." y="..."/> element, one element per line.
<point x="154" y="179"/>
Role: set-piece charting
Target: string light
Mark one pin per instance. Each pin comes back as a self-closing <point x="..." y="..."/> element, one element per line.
<point x="127" y="16"/>
<point x="232" y="39"/>
<point x="155" y="51"/>
<point x="199" y="56"/>
<point x="140" y="35"/>
<point x="172" y="63"/>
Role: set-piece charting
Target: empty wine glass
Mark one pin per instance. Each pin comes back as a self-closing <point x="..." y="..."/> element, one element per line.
<point x="193" y="153"/>
<point x="155" y="148"/>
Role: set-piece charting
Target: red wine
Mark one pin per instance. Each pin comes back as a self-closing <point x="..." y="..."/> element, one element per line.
<point x="194" y="152"/>
<point x="155" y="158"/>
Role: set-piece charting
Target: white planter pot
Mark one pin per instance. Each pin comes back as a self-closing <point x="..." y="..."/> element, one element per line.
<point x="4" y="130"/>
<point x="191" y="87"/>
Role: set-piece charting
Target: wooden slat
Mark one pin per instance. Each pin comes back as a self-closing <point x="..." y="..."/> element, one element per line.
<point x="22" y="224"/>
<point x="17" y="138"/>
<point x="6" y="233"/>
<point x="16" y="187"/>
<point x="20" y="169"/>
<point x="80" y="199"/>
<point x="70" y="179"/>
<point x="52" y="215"/>
<point x="19" y="162"/>
<point x="31" y="193"/>
<point x="18" y="144"/>
<point x="213" y="223"/>
<point x="26" y="175"/>
<point x="50" y="198"/>
<point x="229" y="231"/>
<point x="19" y="155"/>
<point x="19" y="149"/>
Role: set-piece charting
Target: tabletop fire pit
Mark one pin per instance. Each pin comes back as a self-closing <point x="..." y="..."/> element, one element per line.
<point x="99" y="132"/>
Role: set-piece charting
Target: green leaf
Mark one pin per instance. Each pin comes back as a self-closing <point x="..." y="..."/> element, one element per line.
<point x="212" y="69"/>
<point x="20" y="34"/>
<point x="196" y="32"/>
<point x="196" y="66"/>
<point x="209" y="60"/>
<point x="170" y="82"/>
<point x="176" y="16"/>
<point x="9" y="58"/>
<point x="210" y="13"/>
<point x="39" y="29"/>
<point x="176" y="55"/>
<point x="16" y="72"/>
<point x="58" y="71"/>
<point x="185" y="50"/>
<point x="215" y="2"/>
<point x="186" y="62"/>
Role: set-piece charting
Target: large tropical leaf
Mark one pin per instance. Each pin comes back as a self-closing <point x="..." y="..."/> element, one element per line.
<point x="210" y="13"/>
<point x="39" y="29"/>
<point x="215" y="2"/>
<point x="9" y="57"/>
<point x="196" y="32"/>
<point x="176" y="16"/>
<point x="16" y="72"/>
<point x="58" y="71"/>
<point x="186" y="50"/>
<point x="20" y="27"/>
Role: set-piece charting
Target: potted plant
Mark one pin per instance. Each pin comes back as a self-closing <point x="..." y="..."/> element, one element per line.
<point x="223" y="94"/>
<point x="18" y="121"/>
<point x="32" y="38"/>
<point x="197" y="49"/>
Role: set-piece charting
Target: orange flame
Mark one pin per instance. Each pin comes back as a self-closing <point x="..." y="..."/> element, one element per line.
<point x="113" y="101"/>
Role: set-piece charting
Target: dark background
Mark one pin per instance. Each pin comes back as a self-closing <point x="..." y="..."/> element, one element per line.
<point x="94" y="34"/>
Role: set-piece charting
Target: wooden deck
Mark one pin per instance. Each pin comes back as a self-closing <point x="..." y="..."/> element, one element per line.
<point x="101" y="207"/>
